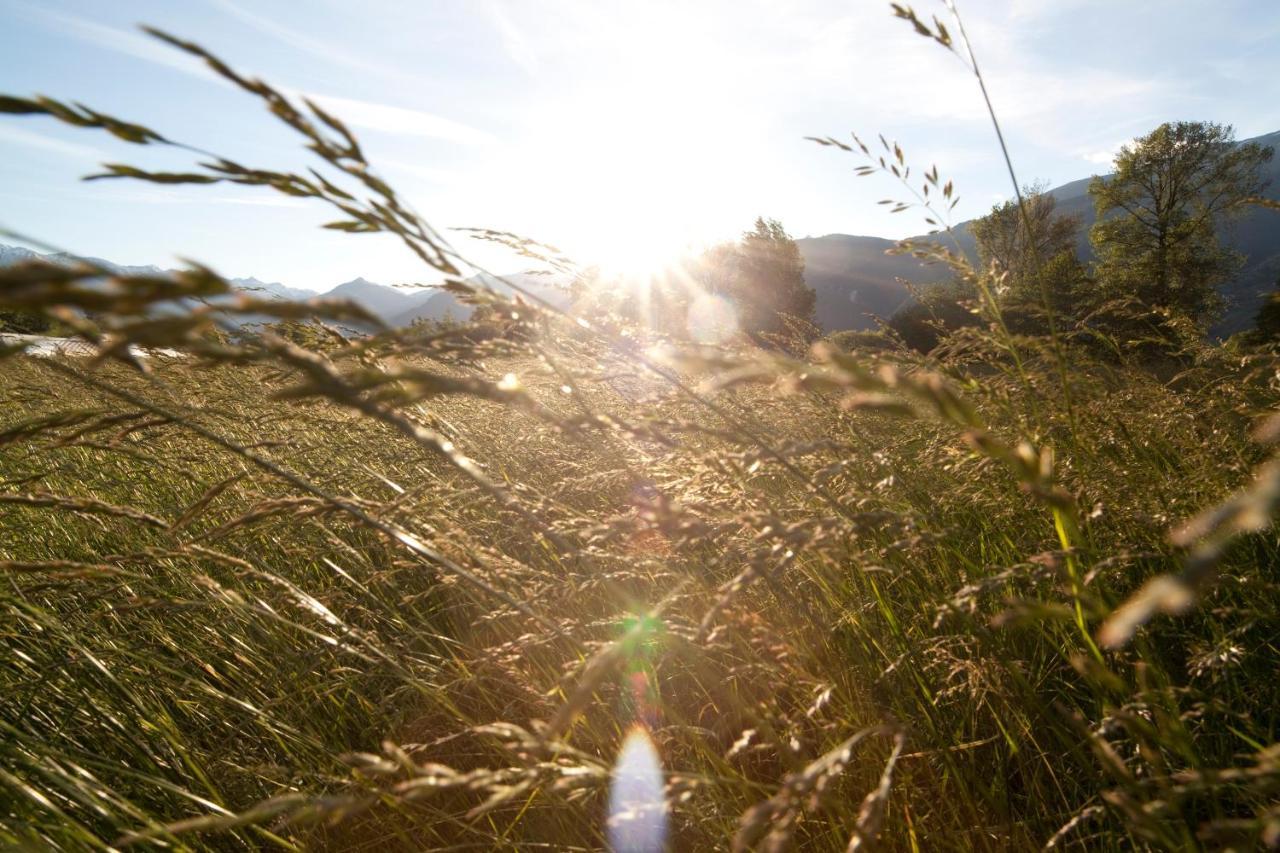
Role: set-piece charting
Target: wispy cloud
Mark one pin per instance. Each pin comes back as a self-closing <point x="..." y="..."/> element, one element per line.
<point x="436" y="176"/>
<point x="1037" y="10"/>
<point x="140" y="194"/>
<point x="401" y="120"/>
<point x="127" y="42"/>
<point x="514" y="41"/>
<point x="33" y="139"/>
<point x="328" y="51"/>
<point x="1106" y="156"/>
<point x="148" y="195"/>
<point x="360" y="113"/>
<point x="257" y="201"/>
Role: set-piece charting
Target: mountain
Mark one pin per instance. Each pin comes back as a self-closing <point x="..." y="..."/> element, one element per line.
<point x="386" y="302"/>
<point x="119" y="269"/>
<point x="18" y="254"/>
<point x="270" y="289"/>
<point x="395" y="306"/>
<point x="437" y="304"/>
<point x="15" y="255"/>
<point x="854" y="279"/>
<point x="260" y="289"/>
<point x="1256" y="236"/>
<point x="432" y="305"/>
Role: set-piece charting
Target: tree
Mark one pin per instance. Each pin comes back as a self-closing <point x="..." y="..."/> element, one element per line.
<point x="1158" y="216"/>
<point x="933" y="315"/>
<point x="1033" y="254"/>
<point x="24" y="323"/>
<point x="763" y="275"/>
<point x="1266" y="323"/>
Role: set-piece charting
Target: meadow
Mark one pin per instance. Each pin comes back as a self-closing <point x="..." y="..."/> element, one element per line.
<point x="412" y="590"/>
<point x="196" y="645"/>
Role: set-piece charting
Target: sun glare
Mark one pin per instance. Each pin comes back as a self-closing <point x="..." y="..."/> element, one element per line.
<point x="632" y="168"/>
<point x="637" y="810"/>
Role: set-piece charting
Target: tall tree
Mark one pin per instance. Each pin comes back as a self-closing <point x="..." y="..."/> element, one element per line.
<point x="1158" y="216"/>
<point x="763" y="275"/>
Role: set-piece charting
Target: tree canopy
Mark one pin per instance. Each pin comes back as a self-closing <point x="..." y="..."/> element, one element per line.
<point x="1029" y="254"/>
<point x="1157" y="234"/>
<point x="763" y="275"/>
<point x="1267" y="321"/>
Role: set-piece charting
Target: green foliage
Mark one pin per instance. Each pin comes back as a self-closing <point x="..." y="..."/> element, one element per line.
<point x="1060" y="285"/>
<point x="933" y="315"/>
<point x="854" y="341"/>
<point x="1028" y="255"/>
<point x="1266" y="324"/>
<point x="1158" y="217"/>
<point x="24" y="323"/>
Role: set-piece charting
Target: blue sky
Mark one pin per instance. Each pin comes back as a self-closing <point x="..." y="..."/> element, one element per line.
<point x="618" y="130"/>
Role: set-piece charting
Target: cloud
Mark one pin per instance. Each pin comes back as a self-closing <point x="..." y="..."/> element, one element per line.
<point x="327" y="51"/>
<point x="514" y="41"/>
<point x="143" y="194"/>
<point x="260" y="201"/>
<point x="436" y="176"/>
<point x="365" y="114"/>
<point x="1107" y="156"/>
<point x="32" y="139"/>
<point x="133" y="44"/>
<point x="400" y="120"/>
<point x="1037" y="11"/>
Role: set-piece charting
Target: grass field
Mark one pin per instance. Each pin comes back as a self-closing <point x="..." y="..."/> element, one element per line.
<point x="200" y="652"/>
<point x="543" y="581"/>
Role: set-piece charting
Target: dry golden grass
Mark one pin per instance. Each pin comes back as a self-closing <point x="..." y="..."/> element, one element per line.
<point x="411" y="590"/>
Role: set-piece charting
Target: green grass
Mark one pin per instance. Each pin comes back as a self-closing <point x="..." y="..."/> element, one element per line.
<point x="187" y="671"/>
<point x="372" y="594"/>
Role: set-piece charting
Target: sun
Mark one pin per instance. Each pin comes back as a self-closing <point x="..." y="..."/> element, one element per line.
<point x="635" y="245"/>
<point x="636" y="166"/>
<point x="637" y="205"/>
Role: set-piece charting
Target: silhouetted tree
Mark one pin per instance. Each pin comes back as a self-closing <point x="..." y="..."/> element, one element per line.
<point x="763" y="275"/>
<point x="1156" y="235"/>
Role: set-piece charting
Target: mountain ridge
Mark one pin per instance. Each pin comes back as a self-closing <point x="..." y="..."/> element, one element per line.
<point x="855" y="278"/>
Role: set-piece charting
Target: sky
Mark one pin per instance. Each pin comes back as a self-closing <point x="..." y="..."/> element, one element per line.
<point x="622" y="132"/>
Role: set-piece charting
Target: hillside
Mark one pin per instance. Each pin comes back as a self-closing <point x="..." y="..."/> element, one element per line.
<point x="856" y="280"/>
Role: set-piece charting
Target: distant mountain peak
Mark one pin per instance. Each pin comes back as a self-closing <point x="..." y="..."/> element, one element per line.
<point x="360" y="281"/>
<point x="838" y="236"/>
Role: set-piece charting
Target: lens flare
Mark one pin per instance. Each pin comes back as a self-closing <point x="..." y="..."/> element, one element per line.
<point x="637" y="811"/>
<point x="712" y="319"/>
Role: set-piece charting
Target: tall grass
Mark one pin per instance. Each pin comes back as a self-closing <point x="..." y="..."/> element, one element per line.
<point x="412" y="590"/>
